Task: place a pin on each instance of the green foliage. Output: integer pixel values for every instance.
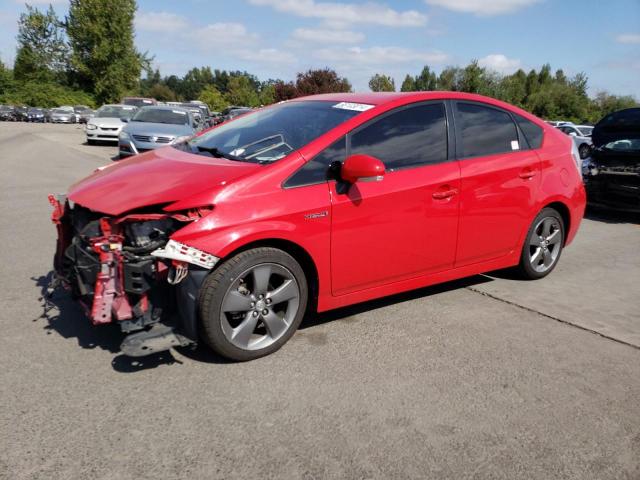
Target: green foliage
(6, 78)
(408, 84)
(382, 83)
(104, 59)
(42, 49)
(241, 92)
(313, 82)
(267, 94)
(161, 92)
(212, 97)
(46, 95)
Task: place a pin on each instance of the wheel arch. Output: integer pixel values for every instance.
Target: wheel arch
(565, 213)
(299, 253)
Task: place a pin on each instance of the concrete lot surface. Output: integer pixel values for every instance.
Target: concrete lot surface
(483, 378)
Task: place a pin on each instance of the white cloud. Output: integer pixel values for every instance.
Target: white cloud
(217, 34)
(500, 63)
(630, 38)
(377, 56)
(270, 56)
(482, 7)
(340, 14)
(327, 36)
(160, 22)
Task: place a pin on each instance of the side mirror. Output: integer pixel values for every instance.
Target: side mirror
(363, 168)
(573, 134)
(124, 119)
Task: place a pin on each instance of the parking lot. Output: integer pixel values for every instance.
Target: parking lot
(489, 377)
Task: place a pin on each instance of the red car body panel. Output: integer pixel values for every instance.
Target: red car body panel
(415, 228)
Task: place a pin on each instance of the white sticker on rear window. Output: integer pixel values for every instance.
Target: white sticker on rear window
(515, 145)
(179, 112)
(358, 107)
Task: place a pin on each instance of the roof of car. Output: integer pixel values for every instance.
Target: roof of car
(380, 98)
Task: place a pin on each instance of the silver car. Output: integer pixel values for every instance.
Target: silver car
(155, 127)
(581, 135)
(107, 122)
(62, 115)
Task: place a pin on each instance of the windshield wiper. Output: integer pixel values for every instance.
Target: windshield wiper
(217, 153)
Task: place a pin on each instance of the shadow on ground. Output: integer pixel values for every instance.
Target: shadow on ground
(65, 317)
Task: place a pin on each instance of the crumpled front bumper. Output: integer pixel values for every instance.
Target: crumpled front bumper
(115, 285)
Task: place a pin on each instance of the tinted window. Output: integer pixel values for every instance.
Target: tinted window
(411, 136)
(485, 130)
(531, 131)
(316, 170)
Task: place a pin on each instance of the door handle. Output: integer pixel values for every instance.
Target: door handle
(527, 174)
(444, 194)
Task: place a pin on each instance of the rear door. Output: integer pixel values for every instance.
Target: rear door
(500, 176)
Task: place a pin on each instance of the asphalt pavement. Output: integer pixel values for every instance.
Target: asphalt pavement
(488, 377)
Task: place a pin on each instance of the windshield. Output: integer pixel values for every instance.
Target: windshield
(138, 102)
(270, 134)
(624, 145)
(161, 115)
(111, 111)
(61, 110)
(585, 131)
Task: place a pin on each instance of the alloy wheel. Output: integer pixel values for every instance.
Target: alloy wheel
(545, 243)
(259, 306)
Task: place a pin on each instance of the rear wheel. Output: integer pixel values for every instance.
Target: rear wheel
(253, 303)
(543, 245)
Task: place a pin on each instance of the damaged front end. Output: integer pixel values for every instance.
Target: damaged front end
(126, 269)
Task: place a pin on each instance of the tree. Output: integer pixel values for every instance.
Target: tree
(326, 80)
(382, 83)
(104, 59)
(284, 91)
(212, 97)
(241, 92)
(449, 79)
(267, 94)
(408, 84)
(6, 79)
(426, 81)
(473, 78)
(42, 50)
(161, 92)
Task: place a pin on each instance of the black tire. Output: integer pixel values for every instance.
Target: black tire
(584, 151)
(91, 142)
(217, 284)
(525, 269)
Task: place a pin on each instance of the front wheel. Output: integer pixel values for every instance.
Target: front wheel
(543, 245)
(253, 303)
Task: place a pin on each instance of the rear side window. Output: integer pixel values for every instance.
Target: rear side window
(531, 131)
(316, 170)
(485, 130)
(409, 137)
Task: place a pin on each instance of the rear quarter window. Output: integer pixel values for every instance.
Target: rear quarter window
(532, 132)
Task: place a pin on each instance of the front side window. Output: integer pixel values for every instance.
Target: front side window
(316, 170)
(485, 130)
(412, 136)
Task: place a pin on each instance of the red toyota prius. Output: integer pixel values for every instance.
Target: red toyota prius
(230, 238)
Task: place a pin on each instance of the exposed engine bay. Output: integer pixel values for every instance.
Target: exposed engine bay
(127, 270)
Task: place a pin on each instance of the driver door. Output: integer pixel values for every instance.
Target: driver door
(404, 226)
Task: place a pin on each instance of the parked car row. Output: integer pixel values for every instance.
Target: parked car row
(581, 135)
(64, 114)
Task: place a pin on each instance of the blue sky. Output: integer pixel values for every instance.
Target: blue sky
(277, 38)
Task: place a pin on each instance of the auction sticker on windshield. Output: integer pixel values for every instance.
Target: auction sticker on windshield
(358, 107)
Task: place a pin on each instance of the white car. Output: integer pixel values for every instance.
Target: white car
(581, 137)
(107, 122)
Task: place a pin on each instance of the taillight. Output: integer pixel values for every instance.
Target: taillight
(576, 157)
